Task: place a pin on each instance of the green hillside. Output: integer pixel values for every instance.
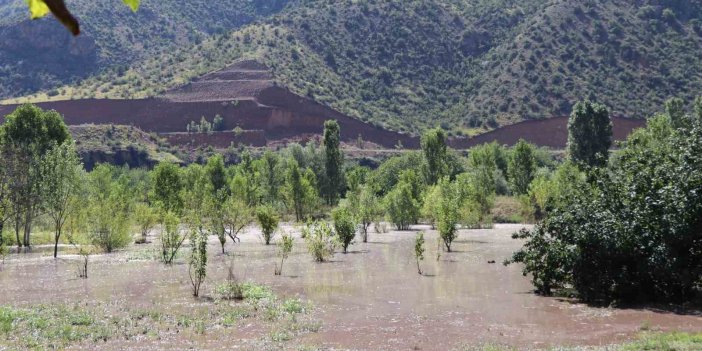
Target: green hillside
(408, 65)
(41, 54)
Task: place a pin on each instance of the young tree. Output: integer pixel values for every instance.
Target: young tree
(299, 189)
(435, 152)
(171, 238)
(345, 226)
(197, 266)
(320, 239)
(477, 193)
(146, 219)
(333, 162)
(109, 209)
(447, 220)
(401, 206)
(369, 210)
(229, 219)
(268, 220)
(26, 136)
(270, 176)
(61, 170)
(589, 134)
(430, 209)
(167, 187)
(522, 166)
(419, 250)
(245, 182)
(285, 248)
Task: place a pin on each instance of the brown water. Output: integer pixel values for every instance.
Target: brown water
(371, 298)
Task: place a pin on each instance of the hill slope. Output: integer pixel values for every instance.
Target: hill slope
(41, 54)
(462, 64)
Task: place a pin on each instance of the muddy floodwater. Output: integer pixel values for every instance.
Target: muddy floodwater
(368, 299)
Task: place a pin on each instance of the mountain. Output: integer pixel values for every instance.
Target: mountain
(41, 54)
(467, 65)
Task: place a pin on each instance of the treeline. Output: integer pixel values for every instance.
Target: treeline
(626, 227)
(42, 176)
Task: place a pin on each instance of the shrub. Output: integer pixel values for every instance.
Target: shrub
(171, 239)
(419, 250)
(285, 248)
(320, 239)
(401, 206)
(268, 220)
(345, 226)
(633, 232)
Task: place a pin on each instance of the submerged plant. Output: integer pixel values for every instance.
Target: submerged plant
(321, 241)
(284, 249)
(419, 250)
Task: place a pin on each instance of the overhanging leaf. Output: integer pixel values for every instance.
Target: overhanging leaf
(37, 8)
(133, 4)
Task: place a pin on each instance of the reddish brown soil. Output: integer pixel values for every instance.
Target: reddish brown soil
(245, 95)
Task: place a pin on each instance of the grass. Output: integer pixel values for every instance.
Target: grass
(675, 341)
(59, 326)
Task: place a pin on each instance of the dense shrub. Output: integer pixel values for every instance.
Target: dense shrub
(635, 232)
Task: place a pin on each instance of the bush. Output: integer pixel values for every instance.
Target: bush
(345, 226)
(268, 220)
(320, 239)
(633, 232)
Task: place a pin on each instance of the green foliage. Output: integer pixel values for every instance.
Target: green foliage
(345, 226)
(401, 206)
(334, 161)
(434, 149)
(369, 209)
(268, 221)
(448, 212)
(171, 237)
(589, 134)
(60, 184)
(384, 179)
(271, 176)
(320, 240)
(110, 206)
(167, 187)
(522, 166)
(419, 250)
(146, 219)
(285, 246)
(197, 266)
(631, 234)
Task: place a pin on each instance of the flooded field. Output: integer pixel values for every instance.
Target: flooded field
(369, 299)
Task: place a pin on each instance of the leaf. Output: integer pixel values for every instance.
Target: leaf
(133, 4)
(37, 8)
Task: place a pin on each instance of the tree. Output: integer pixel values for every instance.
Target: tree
(285, 247)
(430, 208)
(146, 219)
(26, 136)
(333, 163)
(171, 238)
(268, 220)
(299, 189)
(675, 109)
(369, 210)
(589, 134)
(448, 209)
(477, 193)
(197, 266)
(167, 188)
(270, 176)
(522, 166)
(632, 233)
(345, 226)
(320, 239)
(245, 182)
(435, 151)
(217, 175)
(60, 170)
(419, 250)
(109, 209)
(401, 206)
(229, 219)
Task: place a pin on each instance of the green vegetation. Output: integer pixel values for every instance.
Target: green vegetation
(589, 134)
(321, 241)
(268, 221)
(626, 231)
(345, 226)
(64, 325)
(419, 250)
(465, 66)
(285, 247)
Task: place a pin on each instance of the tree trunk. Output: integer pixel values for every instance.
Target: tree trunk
(57, 236)
(17, 231)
